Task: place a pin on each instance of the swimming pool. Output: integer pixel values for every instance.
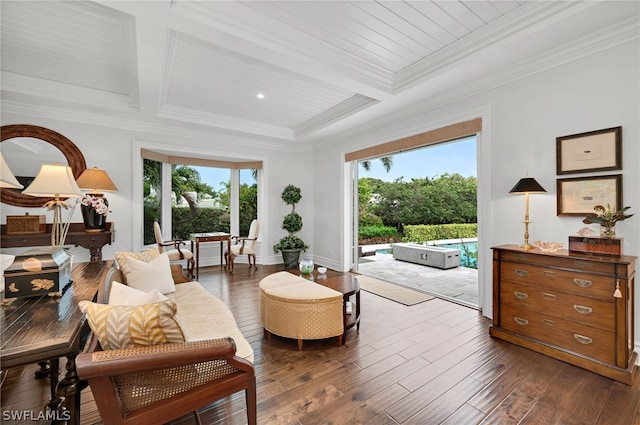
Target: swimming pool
(468, 252)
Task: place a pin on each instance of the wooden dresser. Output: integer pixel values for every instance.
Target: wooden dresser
(565, 305)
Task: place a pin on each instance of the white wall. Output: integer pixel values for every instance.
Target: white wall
(595, 92)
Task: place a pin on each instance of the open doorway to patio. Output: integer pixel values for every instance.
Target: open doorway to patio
(426, 200)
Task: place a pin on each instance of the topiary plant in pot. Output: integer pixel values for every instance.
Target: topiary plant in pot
(290, 246)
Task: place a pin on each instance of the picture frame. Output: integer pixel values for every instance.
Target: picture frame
(578, 195)
(599, 150)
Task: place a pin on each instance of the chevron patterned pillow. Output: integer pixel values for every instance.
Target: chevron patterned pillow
(133, 326)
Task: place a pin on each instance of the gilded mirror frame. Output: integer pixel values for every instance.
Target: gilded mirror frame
(67, 147)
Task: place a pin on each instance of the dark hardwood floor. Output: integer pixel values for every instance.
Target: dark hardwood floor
(430, 363)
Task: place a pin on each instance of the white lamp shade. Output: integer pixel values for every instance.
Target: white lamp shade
(7, 179)
(54, 180)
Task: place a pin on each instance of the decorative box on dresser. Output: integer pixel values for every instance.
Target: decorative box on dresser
(573, 307)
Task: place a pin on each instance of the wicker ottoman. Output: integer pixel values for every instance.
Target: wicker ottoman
(294, 307)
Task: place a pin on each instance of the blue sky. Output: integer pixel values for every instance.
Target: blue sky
(452, 157)
(214, 176)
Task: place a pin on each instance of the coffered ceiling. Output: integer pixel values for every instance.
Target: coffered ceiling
(322, 67)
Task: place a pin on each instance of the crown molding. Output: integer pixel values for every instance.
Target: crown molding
(150, 128)
(225, 122)
(354, 104)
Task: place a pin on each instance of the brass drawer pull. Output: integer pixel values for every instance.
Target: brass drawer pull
(583, 309)
(521, 273)
(548, 322)
(521, 295)
(583, 283)
(583, 339)
(548, 296)
(584, 264)
(521, 321)
(548, 273)
(521, 256)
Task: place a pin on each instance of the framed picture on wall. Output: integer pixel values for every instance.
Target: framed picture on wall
(599, 150)
(578, 196)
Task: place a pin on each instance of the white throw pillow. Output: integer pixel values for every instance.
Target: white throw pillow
(156, 274)
(122, 257)
(125, 295)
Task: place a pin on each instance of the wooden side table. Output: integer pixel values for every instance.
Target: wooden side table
(37, 329)
(199, 238)
(348, 284)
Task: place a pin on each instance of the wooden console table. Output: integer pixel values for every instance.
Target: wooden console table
(38, 329)
(76, 236)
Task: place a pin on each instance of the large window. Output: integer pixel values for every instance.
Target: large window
(198, 195)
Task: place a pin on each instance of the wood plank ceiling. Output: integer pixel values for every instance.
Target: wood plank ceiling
(319, 64)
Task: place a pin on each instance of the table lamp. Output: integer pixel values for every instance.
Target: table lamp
(7, 179)
(527, 185)
(95, 206)
(57, 181)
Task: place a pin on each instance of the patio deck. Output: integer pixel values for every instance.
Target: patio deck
(458, 284)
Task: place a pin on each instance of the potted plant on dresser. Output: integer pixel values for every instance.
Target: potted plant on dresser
(290, 246)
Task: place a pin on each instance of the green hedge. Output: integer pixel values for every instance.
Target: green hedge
(184, 223)
(207, 220)
(424, 233)
(367, 232)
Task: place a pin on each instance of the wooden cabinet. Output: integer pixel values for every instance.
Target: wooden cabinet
(573, 307)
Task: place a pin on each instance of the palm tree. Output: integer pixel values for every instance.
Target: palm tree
(387, 163)
(184, 182)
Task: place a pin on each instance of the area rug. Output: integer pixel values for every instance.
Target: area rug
(391, 291)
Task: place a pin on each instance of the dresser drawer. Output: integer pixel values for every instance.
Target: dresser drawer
(582, 284)
(585, 264)
(587, 311)
(574, 337)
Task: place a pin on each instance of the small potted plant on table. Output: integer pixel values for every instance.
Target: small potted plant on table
(290, 246)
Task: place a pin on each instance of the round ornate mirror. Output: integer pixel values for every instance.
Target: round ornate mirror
(74, 157)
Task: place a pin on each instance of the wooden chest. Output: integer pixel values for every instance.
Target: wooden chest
(37, 272)
(575, 307)
(595, 246)
(26, 224)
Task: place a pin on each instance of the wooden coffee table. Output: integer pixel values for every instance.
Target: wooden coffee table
(348, 284)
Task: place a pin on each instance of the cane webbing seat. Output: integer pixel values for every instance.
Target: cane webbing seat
(137, 385)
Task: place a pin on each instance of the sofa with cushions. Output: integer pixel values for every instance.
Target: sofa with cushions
(161, 349)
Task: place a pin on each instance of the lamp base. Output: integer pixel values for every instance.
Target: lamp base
(526, 246)
(94, 220)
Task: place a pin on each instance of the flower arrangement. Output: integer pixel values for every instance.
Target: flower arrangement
(607, 218)
(98, 203)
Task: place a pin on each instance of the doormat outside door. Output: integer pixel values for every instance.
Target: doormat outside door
(394, 292)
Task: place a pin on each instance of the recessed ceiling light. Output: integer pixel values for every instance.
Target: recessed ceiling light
(260, 96)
